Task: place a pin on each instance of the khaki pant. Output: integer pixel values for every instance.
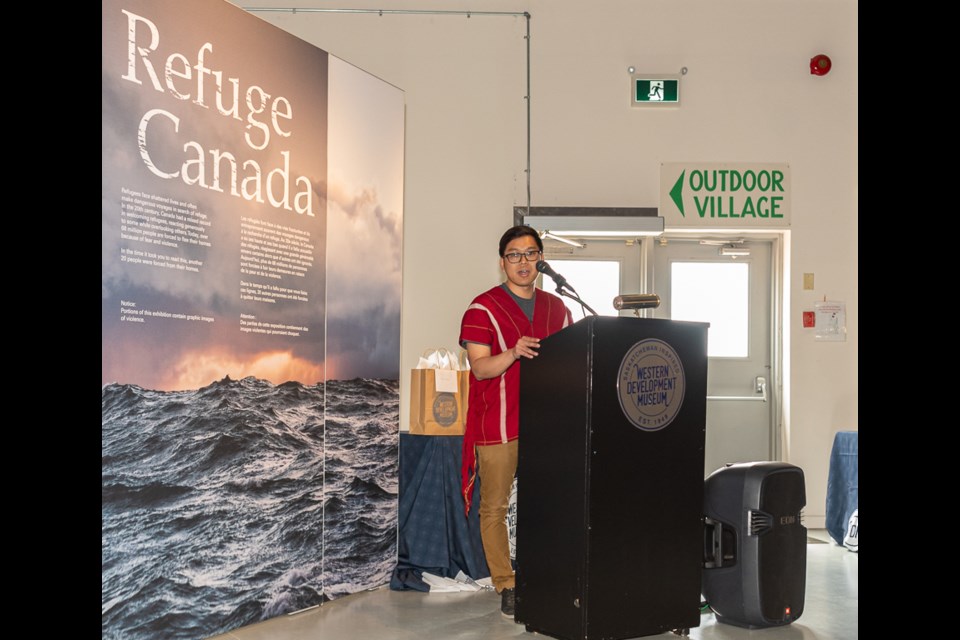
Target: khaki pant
(496, 466)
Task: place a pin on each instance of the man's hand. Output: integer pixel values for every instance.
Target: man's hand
(487, 366)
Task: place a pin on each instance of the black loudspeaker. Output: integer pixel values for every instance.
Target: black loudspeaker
(755, 544)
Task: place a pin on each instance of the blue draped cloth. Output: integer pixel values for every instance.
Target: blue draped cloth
(434, 535)
(843, 483)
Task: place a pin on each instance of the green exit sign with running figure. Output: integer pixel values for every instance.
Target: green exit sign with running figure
(656, 91)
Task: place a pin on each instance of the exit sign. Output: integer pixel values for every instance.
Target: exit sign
(656, 91)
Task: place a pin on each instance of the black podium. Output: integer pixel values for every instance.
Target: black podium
(610, 479)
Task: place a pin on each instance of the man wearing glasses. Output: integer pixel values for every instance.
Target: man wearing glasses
(499, 328)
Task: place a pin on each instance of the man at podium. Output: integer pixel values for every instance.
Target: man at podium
(501, 326)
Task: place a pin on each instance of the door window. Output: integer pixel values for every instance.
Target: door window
(597, 282)
(717, 293)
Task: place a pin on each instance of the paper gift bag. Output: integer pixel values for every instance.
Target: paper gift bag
(438, 394)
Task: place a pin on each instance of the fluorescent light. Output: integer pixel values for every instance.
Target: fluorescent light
(598, 226)
(572, 243)
(734, 251)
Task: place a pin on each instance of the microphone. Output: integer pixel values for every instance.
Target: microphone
(546, 269)
(636, 301)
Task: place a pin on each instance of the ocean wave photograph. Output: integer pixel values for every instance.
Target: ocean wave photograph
(243, 500)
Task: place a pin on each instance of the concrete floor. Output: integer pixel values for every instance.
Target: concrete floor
(831, 612)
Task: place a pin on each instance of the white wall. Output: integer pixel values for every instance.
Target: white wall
(748, 97)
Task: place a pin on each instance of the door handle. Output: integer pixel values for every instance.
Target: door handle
(761, 387)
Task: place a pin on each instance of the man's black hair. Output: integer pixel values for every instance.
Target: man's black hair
(518, 232)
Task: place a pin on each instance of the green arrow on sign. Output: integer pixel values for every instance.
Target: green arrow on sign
(676, 194)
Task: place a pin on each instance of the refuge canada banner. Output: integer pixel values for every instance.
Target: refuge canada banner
(226, 496)
(213, 192)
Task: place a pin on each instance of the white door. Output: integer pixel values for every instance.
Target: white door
(733, 294)
(694, 282)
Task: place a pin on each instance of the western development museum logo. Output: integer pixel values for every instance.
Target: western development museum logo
(651, 384)
(445, 409)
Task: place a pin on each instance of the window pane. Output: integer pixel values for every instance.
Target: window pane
(597, 282)
(714, 292)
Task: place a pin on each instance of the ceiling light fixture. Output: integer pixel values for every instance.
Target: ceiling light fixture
(572, 243)
(598, 226)
(734, 251)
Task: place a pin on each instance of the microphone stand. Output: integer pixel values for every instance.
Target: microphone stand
(573, 296)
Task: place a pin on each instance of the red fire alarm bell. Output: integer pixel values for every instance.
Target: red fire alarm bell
(820, 65)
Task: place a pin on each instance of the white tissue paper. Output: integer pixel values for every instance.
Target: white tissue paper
(447, 364)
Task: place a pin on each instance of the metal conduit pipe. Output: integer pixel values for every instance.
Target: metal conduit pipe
(381, 12)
